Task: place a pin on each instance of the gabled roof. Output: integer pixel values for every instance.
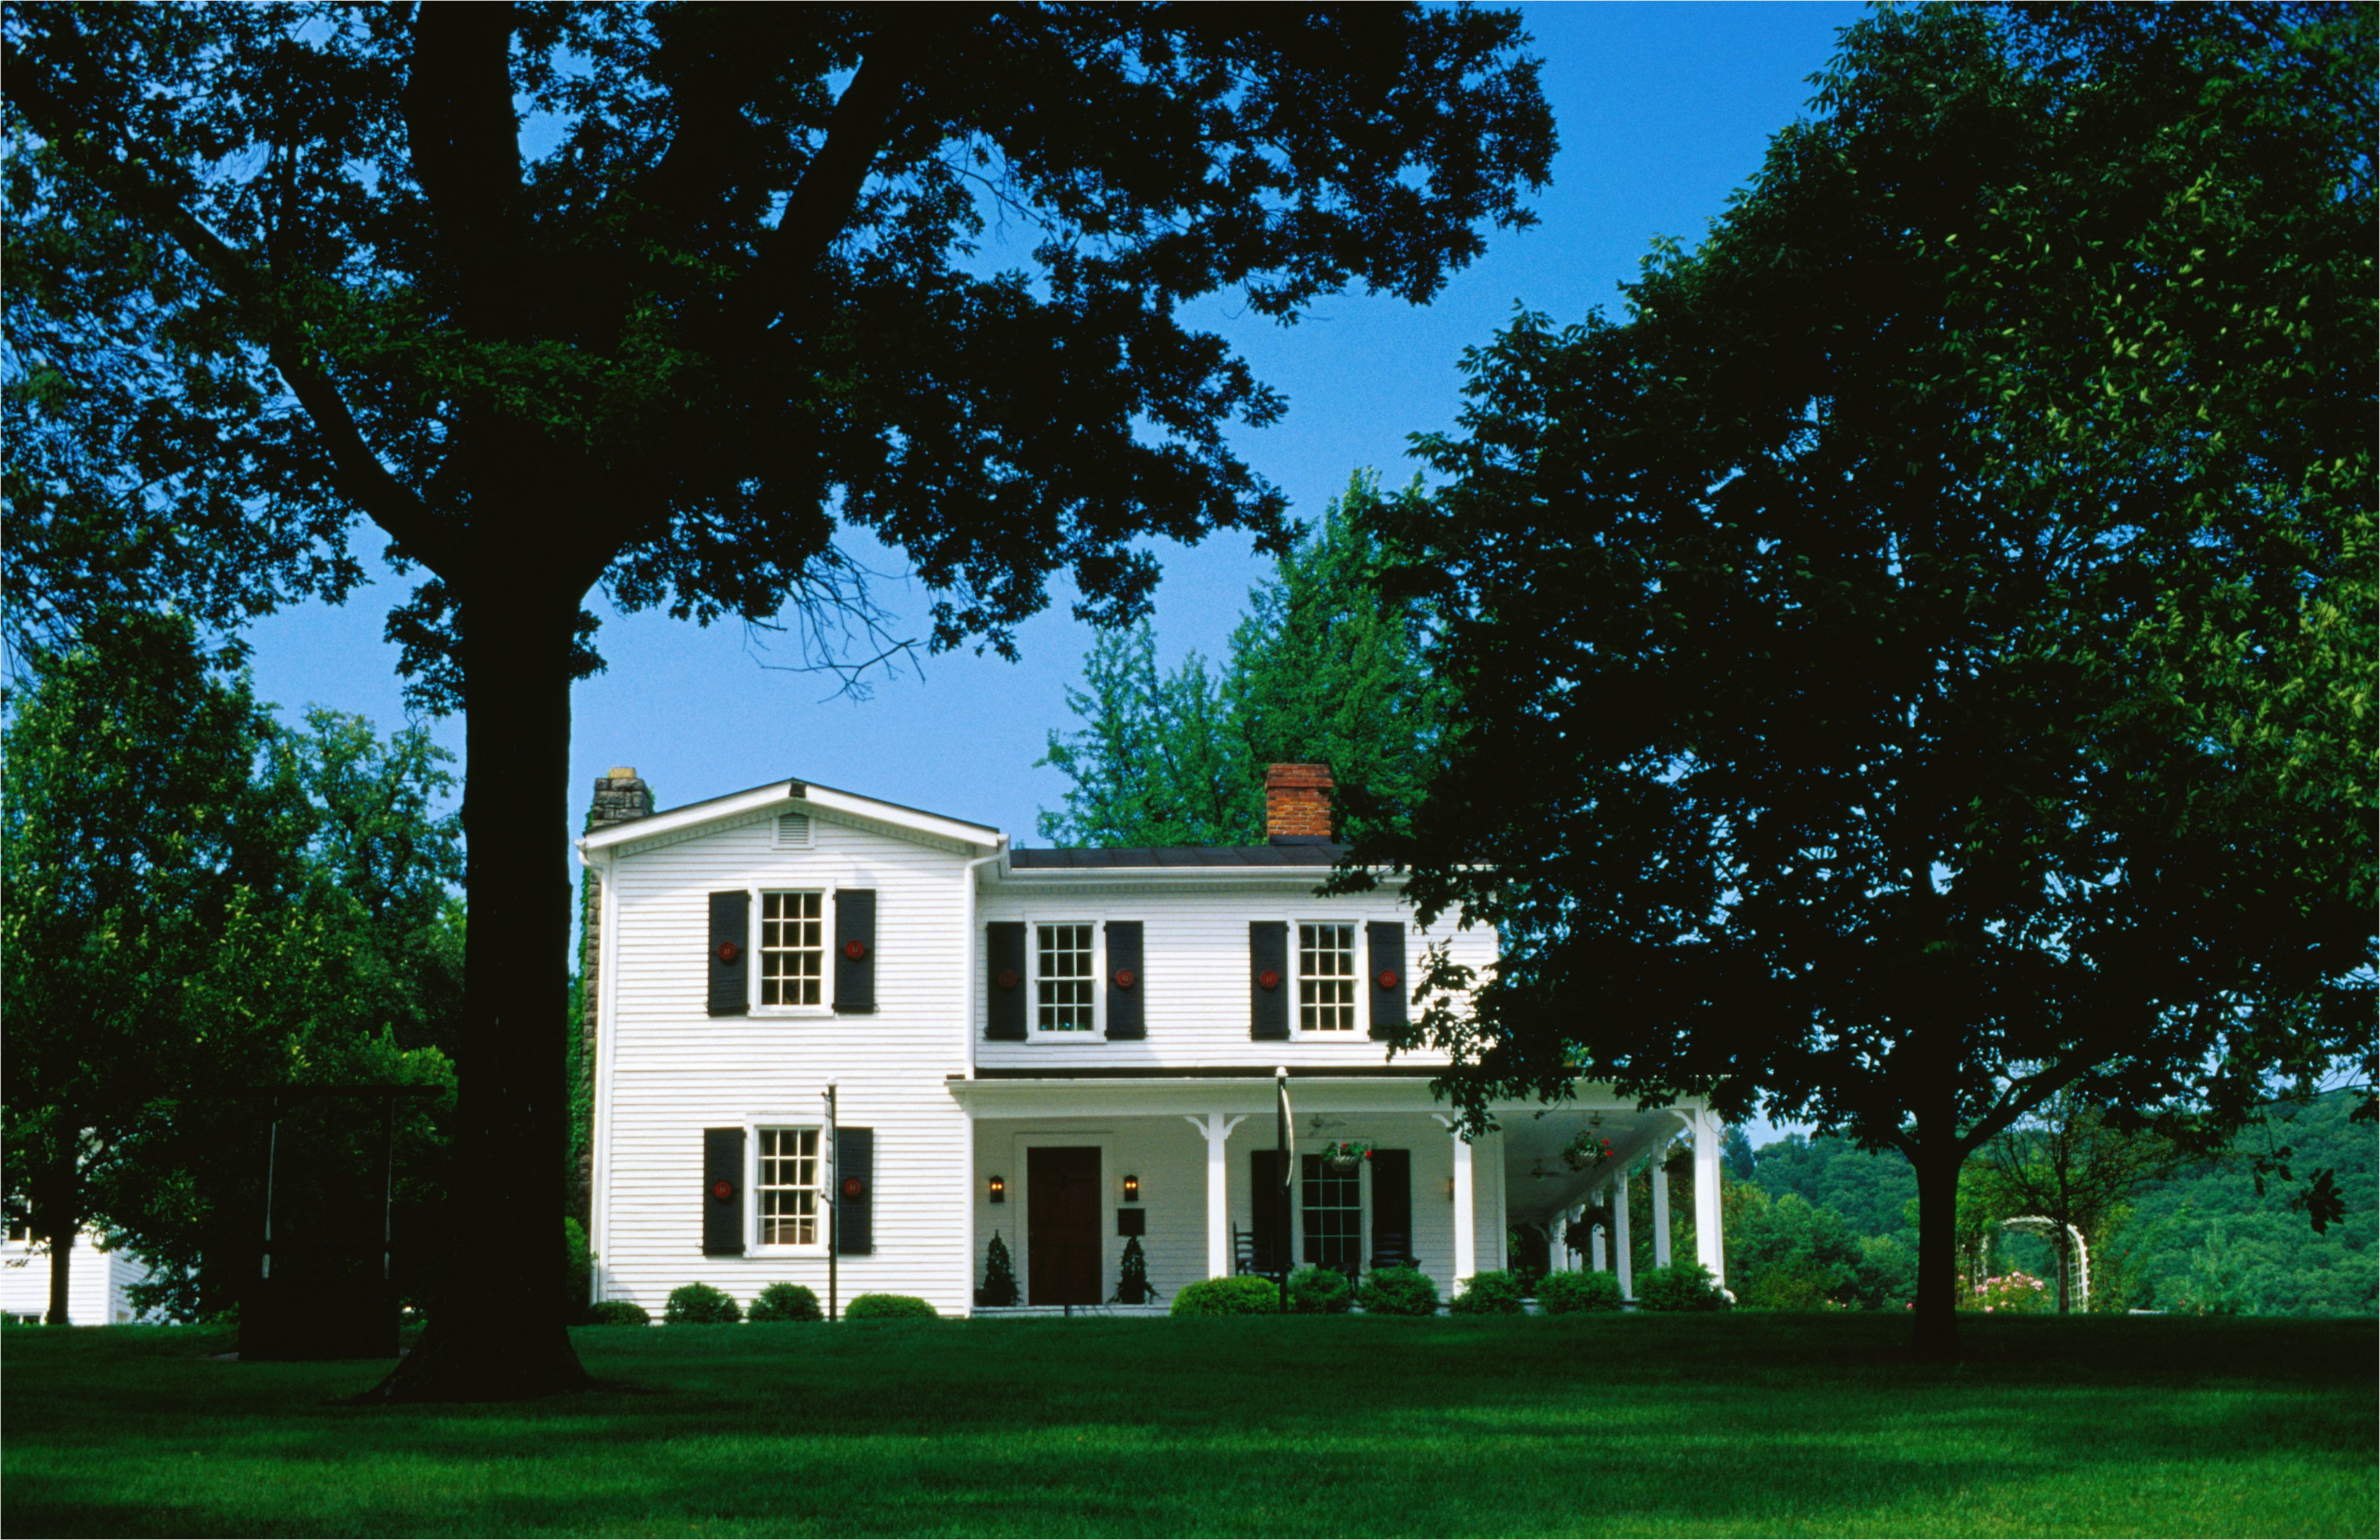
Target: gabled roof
(794, 797)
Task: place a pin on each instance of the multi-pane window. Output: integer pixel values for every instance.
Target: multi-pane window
(1326, 978)
(793, 948)
(788, 1188)
(1331, 1201)
(1063, 977)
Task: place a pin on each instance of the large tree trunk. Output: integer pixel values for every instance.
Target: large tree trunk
(496, 1329)
(56, 1216)
(1937, 1249)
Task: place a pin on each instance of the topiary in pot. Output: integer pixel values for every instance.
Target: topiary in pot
(786, 1302)
(1397, 1291)
(1680, 1286)
(617, 1313)
(1573, 1293)
(1229, 1296)
(998, 1275)
(1131, 1276)
(1320, 1292)
(1494, 1292)
(887, 1307)
(699, 1304)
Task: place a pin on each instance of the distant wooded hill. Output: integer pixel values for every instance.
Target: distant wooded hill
(2203, 1239)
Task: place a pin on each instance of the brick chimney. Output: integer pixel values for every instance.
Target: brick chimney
(620, 797)
(1297, 804)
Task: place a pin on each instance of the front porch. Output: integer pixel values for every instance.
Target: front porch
(1066, 1170)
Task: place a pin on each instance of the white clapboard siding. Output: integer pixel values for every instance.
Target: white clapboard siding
(671, 1070)
(99, 1283)
(1196, 980)
(667, 1069)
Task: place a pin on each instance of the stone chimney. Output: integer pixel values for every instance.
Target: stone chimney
(1297, 804)
(620, 797)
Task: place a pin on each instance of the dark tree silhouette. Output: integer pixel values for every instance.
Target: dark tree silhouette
(1920, 661)
(657, 299)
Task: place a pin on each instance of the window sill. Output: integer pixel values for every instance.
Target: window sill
(793, 1012)
(815, 1250)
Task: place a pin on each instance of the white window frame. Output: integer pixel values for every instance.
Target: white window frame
(1098, 1030)
(1358, 1005)
(825, 1006)
(808, 1123)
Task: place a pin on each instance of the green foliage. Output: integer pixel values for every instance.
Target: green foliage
(785, 1302)
(1228, 1296)
(1320, 1292)
(1324, 668)
(1792, 1255)
(1887, 1278)
(617, 1313)
(1872, 1189)
(1494, 1292)
(699, 1304)
(1679, 1286)
(1919, 655)
(1131, 1276)
(999, 1275)
(1572, 1293)
(1397, 1291)
(887, 1307)
(204, 901)
(577, 1271)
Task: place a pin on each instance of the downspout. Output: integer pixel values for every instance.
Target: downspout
(974, 978)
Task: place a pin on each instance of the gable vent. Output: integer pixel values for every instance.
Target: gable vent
(793, 831)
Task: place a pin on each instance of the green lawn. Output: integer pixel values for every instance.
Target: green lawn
(1635, 1424)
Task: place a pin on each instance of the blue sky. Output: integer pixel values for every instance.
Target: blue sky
(1662, 110)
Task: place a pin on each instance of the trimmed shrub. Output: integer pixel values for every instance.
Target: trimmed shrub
(1228, 1296)
(886, 1308)
(618, 1313)
(1320, 1292)
(1787, 1289)
(1680, 1286)
(1398, 1291)
(699, 1304)
(1495, 1292)
(786, 1302)
(1573, 1293)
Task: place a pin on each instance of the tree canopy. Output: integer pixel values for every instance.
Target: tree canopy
(662, 299)
(203, 901)
(1920, 658)
(1324, 668)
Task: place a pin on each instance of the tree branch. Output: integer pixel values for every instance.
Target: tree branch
(355, 470)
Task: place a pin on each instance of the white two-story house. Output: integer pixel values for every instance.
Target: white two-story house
(821, 1018)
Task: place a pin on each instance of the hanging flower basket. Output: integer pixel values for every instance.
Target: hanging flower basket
(1343, 1153)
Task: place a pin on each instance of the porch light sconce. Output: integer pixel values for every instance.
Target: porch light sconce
(1132, 1189)
(999, 1190)
(1450, 1189)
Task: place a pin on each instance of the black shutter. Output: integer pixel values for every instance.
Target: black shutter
(1125, 984)
(1391, 1205)
(722, 1190)
(855, 930)
(1268, 1208)
(1386, 939)
(855, 1191)
(1003, 984)
(1268, 953)
(731, 935)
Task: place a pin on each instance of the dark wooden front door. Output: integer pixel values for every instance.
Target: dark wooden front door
(1062, 1225)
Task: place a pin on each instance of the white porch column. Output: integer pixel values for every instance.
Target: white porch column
(1558, 1234)
(1217, 1130)
(1466, 1229)
(1661, 1180)
(1595, 1245)
(1709, 1248)
(1623, 1259)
